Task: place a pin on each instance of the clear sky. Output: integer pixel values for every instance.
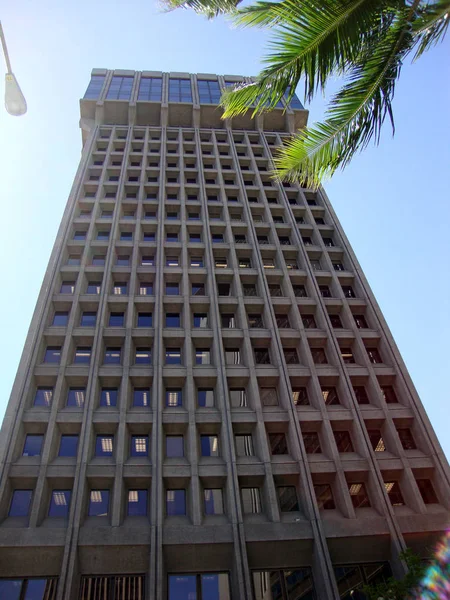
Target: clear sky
(393, 201)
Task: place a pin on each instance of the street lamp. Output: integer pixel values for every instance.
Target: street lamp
(15, 102)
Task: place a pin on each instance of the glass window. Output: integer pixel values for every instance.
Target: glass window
(112, 356)
(202, 356)
(174, 446)
(108, 396)
(137, 503)
(277, 443)
(183, 587)
(251, 501)
(139, 445)
(361, 394)
(10, 589)
(175, 502)
(309, 322)
(208, 92)
(173, 320)
(173, 397)
(98, 503)
(60, 503)
(67, 287)
(389, 394)
(330, 396)
(143, 356)
(150, 89)
(358, 494)
(146, 289)
(287, 497)
(324, 496)
(269, 396)
(300, 396)
(262, 356)
(120, 88)
(20, 503)
(312, 442)
(141, 397)
(60, 318)
(144, 319)
(406, 439)
(33, 445)
(104, 445)
(213, 501)
(205, 397)
(228, 321)
(93, 287)
(172, 289)
(95, 87)
(119, 288)
(180, 90)
(209, 445)
(68, 445)
(173, 356)
(205, 586)
(82, 355)
(198, 289)
(427, 491)
(88, 319)
(394, 493)
(343, 441)
(116, 319)
(238, 397)
(52, 354)
(98, 260)
(76, 396)
(200, 320)
(376, 440)
(319, 356)
(43, 396)
(244, 445)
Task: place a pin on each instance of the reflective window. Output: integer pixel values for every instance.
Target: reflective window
(141, 397)
(244, 445)
(95, 87)
(205, 397)
(238, 397)
(43, 396)
(200, 320)
(209, 445)
(180, 90)
(208, 92)
(60, 318)
(174, 446)
(350, 579)
(205, 586)
(173, 356)
(67, 287)
(251, 501)
(68, 445)
(143, 356)
(33, 445)
(139, 445)
(292, 584)
(108, 396)
(52, 354)
(172, 289)
(202, 356)
(150, 89)
(173, 397)
(116, 319)
(20, 503)
(146, 289)
(300, 396)
(82, 355)
(173, 320)
(358, 494)
(93, 288)
(76, 396)
(112, 356)
(287, 497)
(175, 502)
(137, 503)
(60, 503)
(144, 319)
(278, 444)
(98, 503)
(104, 445)
(120, 88)
(88, 319)
(324, 496)
(213, 501)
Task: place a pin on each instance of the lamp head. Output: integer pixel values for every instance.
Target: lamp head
(15, 102)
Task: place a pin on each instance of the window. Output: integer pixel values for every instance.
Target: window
(175, 502)
(76, 396)
(223, 289)
(336, 321)
(174, 446)
(406, 439)
(20, 503)
(360, 321)
(262, 356)
(209, 445)
(291, 584)
(374, 356)
(244, 445)
(172, 289)
(202, 356)
(207, 586)
(338, 266)
(228, 321)
(52, 354)
(282, 321)
(88, 319)
(287, 498)
(120, 88)
(324, 496)
(143, 356)
(104, 445)
(245, 263)
(112, 356)
(249, 290)
(275, 291)
(291, 356)
(68, 445)
(196, 261)
(149, 236)
(173, 356)
(354, 577)
(36, 589)
(389, 394)
(98, 503)
(269, 396)
(116, 319)
(394, 493)
(94, 287)
(208, 92)
(238, 397)
(60, 319)
(300, 396)
(148, 261)
(194, 237)
(103, 235)
(123, 260)
(95, 87)
(43, 396)
(213, 501)
(232, 356)
(200, 320)
(255, 321)
(427, 492)
(319, 356)
(146, 288)
(343, 441)
(141, 397)
(67, 287)
(309, 322)
(150, 89)
(126, 236)
(139, 445)
(347, 356)
(251, 501)
(205, 397)
(33, 445)
(348, 291)
(268, 263)
(108, 397)
(217, 238)
(98, 260)
(180, 90)
(330, 396)
(328, 241)
(172, 237)
(173, 397)
(312, 442)
(324, 291)
(173, 320)
(278, 444)
(119, 289)
(358, 495)
(300, 291)
(291, 264)
(360, 394)
(198, 289)
(137, 503)
(60, 503)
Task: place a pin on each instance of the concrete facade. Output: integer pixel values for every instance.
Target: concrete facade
(209, 336)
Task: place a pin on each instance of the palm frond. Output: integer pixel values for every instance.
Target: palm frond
(431, 26)
(356, 114)
(208, 8)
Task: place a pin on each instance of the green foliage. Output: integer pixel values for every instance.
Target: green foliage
(394, 589)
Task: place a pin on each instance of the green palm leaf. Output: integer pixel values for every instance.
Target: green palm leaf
(431, 26)
(208, 8)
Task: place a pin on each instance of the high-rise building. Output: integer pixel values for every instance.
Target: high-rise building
(209, 405)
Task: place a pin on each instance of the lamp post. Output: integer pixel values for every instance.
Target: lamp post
(15, 102)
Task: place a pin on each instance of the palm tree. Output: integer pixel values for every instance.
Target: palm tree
(364, 42)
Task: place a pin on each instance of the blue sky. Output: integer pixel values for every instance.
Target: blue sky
(393, 201)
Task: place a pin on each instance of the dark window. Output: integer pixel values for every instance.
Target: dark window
(213, 503)
(389, 394)
(33, 445)
(360, 321)
(148, 236)
(319, 221)
(94, 88)
(244, 445)
(338, 266)
(205, 397)
(141, 397)
(88, 319)
(251, 501)
(287, 497)
(148, 261)
(209, 445)
(144, 319)
(108, 396)
(300, 396)
(319, 356)
(307, 240)
(172, 237)
(217, 238)
(175, 503)
(347, 356)
(324, 291)
(324, 496)
(120, 88)
(348, 291)
(150, 89)
(174, 446)
(312, 442)
(112, 356)
(139, 445)
(196, 261)
(343, 441)
(68, 445)
(123, 260)
(67, 287)
(228, 321)
(180, 90)
(328, 241)
(103, 235)
(238, 397)
(43, 396)
(300, 291)
(208, 586)
(262, 356)
(394, 492)
(374, 356)
(173, 320)
(255, 321)
(282, 322)
(336, 321)
(198, 289)
(223, 289)
(143, 356)
(427, 491)
(60, 318)
(358, 494)
(52, 354)
(277, 443)
(116, 319)
(173, 397)
(137, 503)
(330, 396)
(361, 394)
(20, 503)
(406, 439)
(200, 320)
(269, 396)
(249, 290)
(104, 445)
(309, 322)
(126, 236)
(291, 356)
(275, 291)
(59, 503)
(376, 440)
(98, 260)
(76, 397)
(98, 503)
